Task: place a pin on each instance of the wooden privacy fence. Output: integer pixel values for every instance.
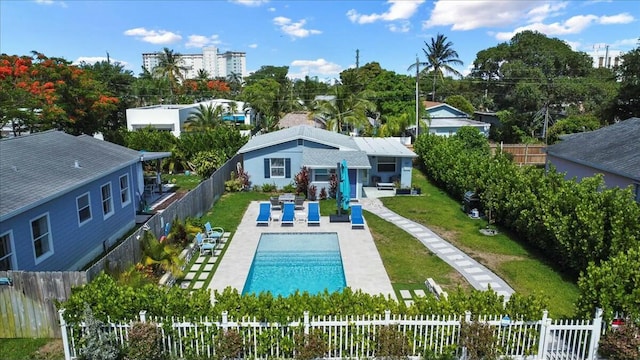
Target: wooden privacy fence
(358, 336)
(27, 307)
(523, 154)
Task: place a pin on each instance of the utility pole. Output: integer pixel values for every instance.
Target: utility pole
(357, 58)
(417, 97)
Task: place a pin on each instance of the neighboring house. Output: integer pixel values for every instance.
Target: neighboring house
(173, 117)
(64, 199)
(276, 158)
(445, 120)
(300, 118)
(487, 117)
(613, 151)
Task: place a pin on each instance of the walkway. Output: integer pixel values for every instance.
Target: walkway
(476, 274)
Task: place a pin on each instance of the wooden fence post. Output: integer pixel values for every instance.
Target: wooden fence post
(65, 338)
(596, 331)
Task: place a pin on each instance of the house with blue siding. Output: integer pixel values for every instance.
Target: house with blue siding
(276, 157)
(65, 199)
(446, 120)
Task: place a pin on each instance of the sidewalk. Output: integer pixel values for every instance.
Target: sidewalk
(476, 274)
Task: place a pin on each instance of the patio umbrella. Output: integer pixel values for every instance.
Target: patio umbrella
(345, 188)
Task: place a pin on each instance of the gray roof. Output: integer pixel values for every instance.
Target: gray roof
(327, 158)
(38, 167)
(614, 148)
(383, 147)
(304, 132)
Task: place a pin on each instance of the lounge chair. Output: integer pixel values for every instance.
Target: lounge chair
(213, 232)
(357, 221)
(275, 203)
(288, 213)
(299, 202)
(265, 214)
(205, 244)
(313, 213)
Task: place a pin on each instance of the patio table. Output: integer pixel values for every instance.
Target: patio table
(288, 197)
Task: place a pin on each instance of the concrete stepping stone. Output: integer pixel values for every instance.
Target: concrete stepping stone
(406, 294)
(473, 270)
(208, 267)
(203, 276)
(185, 284)
(198, 285)
(419, 293)
(455, 257)
(408, 302)
(401, 222)
(446, 250)
(201, 259)
(413, 229)
(484, 277)
(190, 276)
(217, 252)
(464, 263)
(213, 259)
(494, 285)
(195, 267)
(439, 245)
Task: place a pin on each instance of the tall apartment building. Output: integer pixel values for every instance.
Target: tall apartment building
(604, 57)
(216, 64)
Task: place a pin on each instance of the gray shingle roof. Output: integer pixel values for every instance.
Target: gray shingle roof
(299, 132)
(327, 158)
(614, 148)
(38, 167)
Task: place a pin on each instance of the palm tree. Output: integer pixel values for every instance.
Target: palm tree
(170, 67)
(204, 118)
(440, 56)
(346, 112)
(235, 82)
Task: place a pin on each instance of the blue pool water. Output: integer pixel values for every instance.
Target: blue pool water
(286, 262)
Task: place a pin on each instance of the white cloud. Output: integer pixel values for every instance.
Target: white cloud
(249, 2)
(539, 13)
(94, 59)
(154, 36)
(575, 45)
(573, 25)
(623, 18)
(253, 46)
(271, 9)
(314, 68)
(400, 27)
(398, 10)
(200, 41)
(470, 14)
(294, 29)
(51, 2)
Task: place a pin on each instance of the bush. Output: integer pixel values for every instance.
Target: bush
(145, 342)
(95, 345)
(323, 194)
(311, 346)
(391, 344)
(479, 341)
(313, 191)
(302, 181)
(622, 343)
(228, 345)
(269, 188)
(289, 188)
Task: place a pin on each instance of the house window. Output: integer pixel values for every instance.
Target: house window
(107, 200)
(41, 237)
(125, 197)
(7, 260)
(323, 174)
(277, 167)
(386, 164)
(83, 203)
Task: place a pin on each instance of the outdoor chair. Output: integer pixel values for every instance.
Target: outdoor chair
(299, 202)
(288, 213)
(313, 213)
(357, 220)
(213, 232)
(205, 244)
(275, 203)
(265, 214)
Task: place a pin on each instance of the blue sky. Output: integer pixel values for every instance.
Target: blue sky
(316, 38)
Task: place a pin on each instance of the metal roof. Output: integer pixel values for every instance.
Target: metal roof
(39, 167)
(383, 147)
(327, 158)
(304, 132)
(614, 148)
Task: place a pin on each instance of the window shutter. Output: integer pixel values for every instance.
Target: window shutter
(287, 168)
(267, 170)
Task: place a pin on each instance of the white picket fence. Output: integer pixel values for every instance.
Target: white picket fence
(355, 337)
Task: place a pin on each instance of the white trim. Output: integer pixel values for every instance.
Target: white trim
(44, 256)
(12, 258)
(80, 222)
(105, 216)
(284, 168)
(128, 190)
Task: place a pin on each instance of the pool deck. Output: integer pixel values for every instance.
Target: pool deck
(363, 268)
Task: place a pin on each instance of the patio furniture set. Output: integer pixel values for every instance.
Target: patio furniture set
(289, 216)
(208, 240)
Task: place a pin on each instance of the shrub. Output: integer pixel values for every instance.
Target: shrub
(96, 345)
(228, 345)
(478, 340)
(323, 194)
(391, 344)
(269, 188)
(145, 342)
(311, 346)
(622, 343)
(53, 350)
(313, 191)
(289, 188)
(302, 180)
(333, 186)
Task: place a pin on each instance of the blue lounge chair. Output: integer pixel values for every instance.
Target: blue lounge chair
(265, 214)
(313, 213)
(357, 221)
(288, 213)
(205, 244)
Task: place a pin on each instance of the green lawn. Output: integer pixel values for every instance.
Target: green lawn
(181, 181)
(520, 266)
(21, 349)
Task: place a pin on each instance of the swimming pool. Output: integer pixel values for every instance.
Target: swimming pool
(286, 262)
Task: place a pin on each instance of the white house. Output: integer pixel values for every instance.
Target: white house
(173, 117)
(445, 120)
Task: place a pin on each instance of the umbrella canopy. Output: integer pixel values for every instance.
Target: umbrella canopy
(345, 188)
